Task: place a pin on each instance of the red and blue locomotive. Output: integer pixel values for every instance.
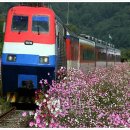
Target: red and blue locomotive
(37, 44)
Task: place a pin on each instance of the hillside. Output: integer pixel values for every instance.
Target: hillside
(96, 19)
(100, 20)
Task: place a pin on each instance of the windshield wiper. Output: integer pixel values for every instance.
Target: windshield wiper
(38, 30)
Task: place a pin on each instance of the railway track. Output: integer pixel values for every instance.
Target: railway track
(13, 119)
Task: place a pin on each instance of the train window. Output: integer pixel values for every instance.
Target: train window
(88, 55)
(40, 24)
(19, 23)
(101, 56)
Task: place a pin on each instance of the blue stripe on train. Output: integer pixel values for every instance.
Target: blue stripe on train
(28, 60)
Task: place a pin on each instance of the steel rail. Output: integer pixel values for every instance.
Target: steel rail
(7, 113)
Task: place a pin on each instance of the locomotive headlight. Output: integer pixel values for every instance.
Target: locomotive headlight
(11, 58)
(44, 60)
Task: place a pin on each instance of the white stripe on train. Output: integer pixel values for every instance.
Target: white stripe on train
(35, 49)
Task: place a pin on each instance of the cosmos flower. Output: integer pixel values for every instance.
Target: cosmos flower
(31, 124)
(24, 114)
(98, 98)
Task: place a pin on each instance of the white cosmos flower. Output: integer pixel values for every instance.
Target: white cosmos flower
(128, 120)
(55, 103)
(35, 115)
(31, 113)
(37, 103)
(46, 95)
(52, 111)
(56, 109)
(76, 121)
(49, 107)
(35, 125)
(44, 100)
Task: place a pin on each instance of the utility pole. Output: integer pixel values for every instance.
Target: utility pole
(95, 52)
(68, 15)
(106, 53)
(114, 54)
(109, 40)
(79, 56)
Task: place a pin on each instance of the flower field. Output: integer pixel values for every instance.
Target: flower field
(100, 98)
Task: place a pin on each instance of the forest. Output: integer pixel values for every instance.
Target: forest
(96, 19)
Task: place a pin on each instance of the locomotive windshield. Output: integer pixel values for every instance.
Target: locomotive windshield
(19, 23)
(40, 24)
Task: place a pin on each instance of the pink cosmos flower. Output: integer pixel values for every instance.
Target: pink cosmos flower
(38, 120)
(31, 124)
(128, 94)
(40, 125)
(24, 114)
(100, 115)
(40, 82)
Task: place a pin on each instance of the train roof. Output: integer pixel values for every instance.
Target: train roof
(99, 43)
(83, 40)
(31, 10)
(86, 41)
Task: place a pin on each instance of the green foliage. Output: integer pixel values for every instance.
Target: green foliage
(73, 28)
(125, 53)
(2, 101)
(1, 46)
(4, 105)
(1, 26)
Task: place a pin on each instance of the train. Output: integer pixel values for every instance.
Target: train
(37, 43)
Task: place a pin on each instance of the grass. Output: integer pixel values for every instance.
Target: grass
(4, 105)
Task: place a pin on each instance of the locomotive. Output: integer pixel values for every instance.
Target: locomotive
(37, 43)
